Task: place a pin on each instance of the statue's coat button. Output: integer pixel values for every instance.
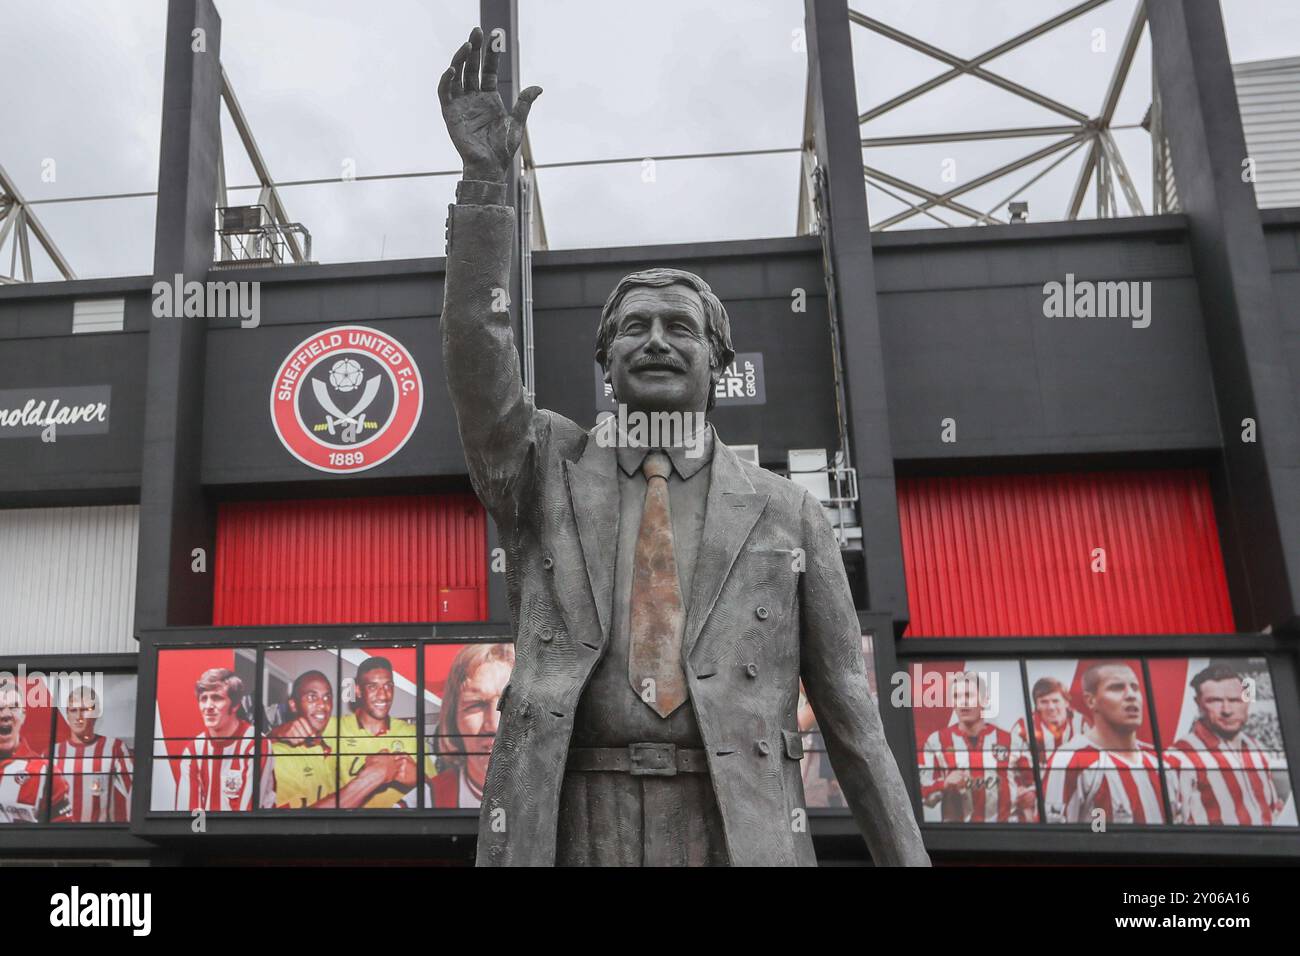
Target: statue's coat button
(761, 612)
(751, 669)
(547, 563)
(763, 747)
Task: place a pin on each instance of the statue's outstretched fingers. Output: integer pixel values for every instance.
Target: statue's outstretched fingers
(490, 57)
(458, 67)
(473, 60)
(519, 116)
(444, 87)
(525, 103)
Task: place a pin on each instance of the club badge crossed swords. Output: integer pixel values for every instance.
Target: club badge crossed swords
(356, 417)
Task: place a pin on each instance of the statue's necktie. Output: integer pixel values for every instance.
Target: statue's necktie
(658, 615)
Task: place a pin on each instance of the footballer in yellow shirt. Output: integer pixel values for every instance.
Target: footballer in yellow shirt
(376, 747)
(306, 774)
(378, 770)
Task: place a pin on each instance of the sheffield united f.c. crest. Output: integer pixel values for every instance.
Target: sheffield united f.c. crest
(346, 399)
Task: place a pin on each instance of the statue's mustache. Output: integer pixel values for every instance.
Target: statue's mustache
(658, 361)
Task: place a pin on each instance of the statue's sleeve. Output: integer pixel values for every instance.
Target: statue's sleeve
(500, 427)
(835, 677)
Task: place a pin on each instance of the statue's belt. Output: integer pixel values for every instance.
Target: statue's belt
(649, 760)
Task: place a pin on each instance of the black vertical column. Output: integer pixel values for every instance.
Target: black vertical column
(1261, 479)
(175, 517)
(839, 154)
(504, 15)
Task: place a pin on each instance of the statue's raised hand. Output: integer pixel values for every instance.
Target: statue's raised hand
(485, 135)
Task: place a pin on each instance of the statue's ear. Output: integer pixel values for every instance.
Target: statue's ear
(608, 376)
(715, 371)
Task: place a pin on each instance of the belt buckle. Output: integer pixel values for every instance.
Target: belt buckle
(653, 760)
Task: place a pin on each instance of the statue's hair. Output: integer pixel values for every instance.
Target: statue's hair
(717, 327)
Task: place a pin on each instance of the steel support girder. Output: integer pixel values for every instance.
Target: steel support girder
(972, 66)
(270, 193)
(922, 139)
(909, 203)
(933, 198)
(808, 161)
(538, 220)
(1120, 172)
(11, 214)
(988, 178)
(1035, 178)
(1110, 103)
(30, 221)
(1125, 63)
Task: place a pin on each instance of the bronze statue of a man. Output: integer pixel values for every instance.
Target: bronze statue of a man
(667, 597)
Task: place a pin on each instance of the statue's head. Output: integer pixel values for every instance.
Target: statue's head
(664, 340)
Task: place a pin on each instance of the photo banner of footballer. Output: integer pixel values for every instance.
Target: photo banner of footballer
(339, 726)
(378, 743)
(463, 686)
(1096, 744)
(972, 755)
(29, 792)
(204, 744)
(94, 743)
(301, 704)
(1224, 762)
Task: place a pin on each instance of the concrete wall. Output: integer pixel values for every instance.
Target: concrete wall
(1282, 236)
(965, 338)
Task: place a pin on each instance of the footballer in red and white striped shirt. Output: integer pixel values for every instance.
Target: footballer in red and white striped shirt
(97, 768)
(216, 771)
(1218, 774)
(1107, 768)
(1055, 721)
(974, 769)
(27, 785)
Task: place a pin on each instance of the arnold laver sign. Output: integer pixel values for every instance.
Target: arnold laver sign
(346, 399)
(74, 410)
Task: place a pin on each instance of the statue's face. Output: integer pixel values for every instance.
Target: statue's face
(659, 360)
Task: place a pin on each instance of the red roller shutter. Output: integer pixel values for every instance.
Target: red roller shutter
(1008, 555)
(354, 560)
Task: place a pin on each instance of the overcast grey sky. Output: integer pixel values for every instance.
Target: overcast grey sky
(326, 81)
